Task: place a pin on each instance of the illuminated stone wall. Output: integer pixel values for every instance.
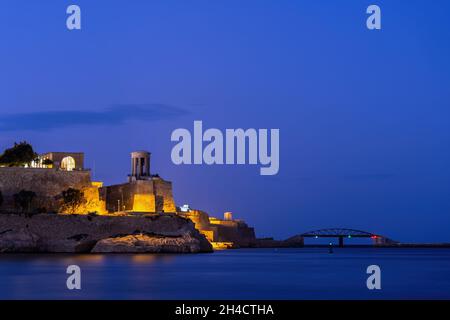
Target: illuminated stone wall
(200, 218)
(236, 232)
(133, 196)
(239, 233)
(143, 202)
(92, 203)
(164, 196)
(153, 195)
(46, 183)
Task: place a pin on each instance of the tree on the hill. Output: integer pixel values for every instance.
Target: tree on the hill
(72, 200)
(24, 199)
(18, 156)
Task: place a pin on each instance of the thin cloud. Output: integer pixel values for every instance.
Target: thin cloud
(370, 176)
(115, 115)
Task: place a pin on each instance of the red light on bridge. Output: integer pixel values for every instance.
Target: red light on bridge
(374, 237)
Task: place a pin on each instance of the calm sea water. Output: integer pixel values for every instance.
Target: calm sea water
(306, 273)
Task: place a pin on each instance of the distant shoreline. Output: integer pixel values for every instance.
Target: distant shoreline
(393, 246)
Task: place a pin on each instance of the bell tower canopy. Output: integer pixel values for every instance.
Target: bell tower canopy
(140, 166)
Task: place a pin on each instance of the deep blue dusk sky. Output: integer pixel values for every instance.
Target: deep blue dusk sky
(364, 116)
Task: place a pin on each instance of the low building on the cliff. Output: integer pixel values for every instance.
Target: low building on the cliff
(66, 161)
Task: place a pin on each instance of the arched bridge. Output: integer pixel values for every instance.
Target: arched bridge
(342, 233)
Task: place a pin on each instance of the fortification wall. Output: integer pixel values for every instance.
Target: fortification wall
(164, 196)
(93, 203)
(240, 234)
(217, 230)
(46, 183)
(134, 196)
(200, 218)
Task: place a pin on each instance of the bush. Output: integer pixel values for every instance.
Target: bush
(72, 199)
(19, 155)
(24, 199)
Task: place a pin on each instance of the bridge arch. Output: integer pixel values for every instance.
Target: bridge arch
(342, 233)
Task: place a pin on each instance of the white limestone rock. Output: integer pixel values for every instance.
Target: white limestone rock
(143, 243)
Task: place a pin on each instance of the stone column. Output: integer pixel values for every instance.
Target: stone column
(139, 172)
(147, 166)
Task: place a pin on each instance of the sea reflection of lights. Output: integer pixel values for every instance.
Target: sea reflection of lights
(149, 258)
(89, 258)
(143, 258)
(65, 259)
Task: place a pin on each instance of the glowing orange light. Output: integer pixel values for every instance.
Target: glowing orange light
(143, 203)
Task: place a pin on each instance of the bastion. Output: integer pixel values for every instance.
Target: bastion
(226, 233)
(47, 183)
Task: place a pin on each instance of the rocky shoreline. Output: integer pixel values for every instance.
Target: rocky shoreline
(58, 233)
